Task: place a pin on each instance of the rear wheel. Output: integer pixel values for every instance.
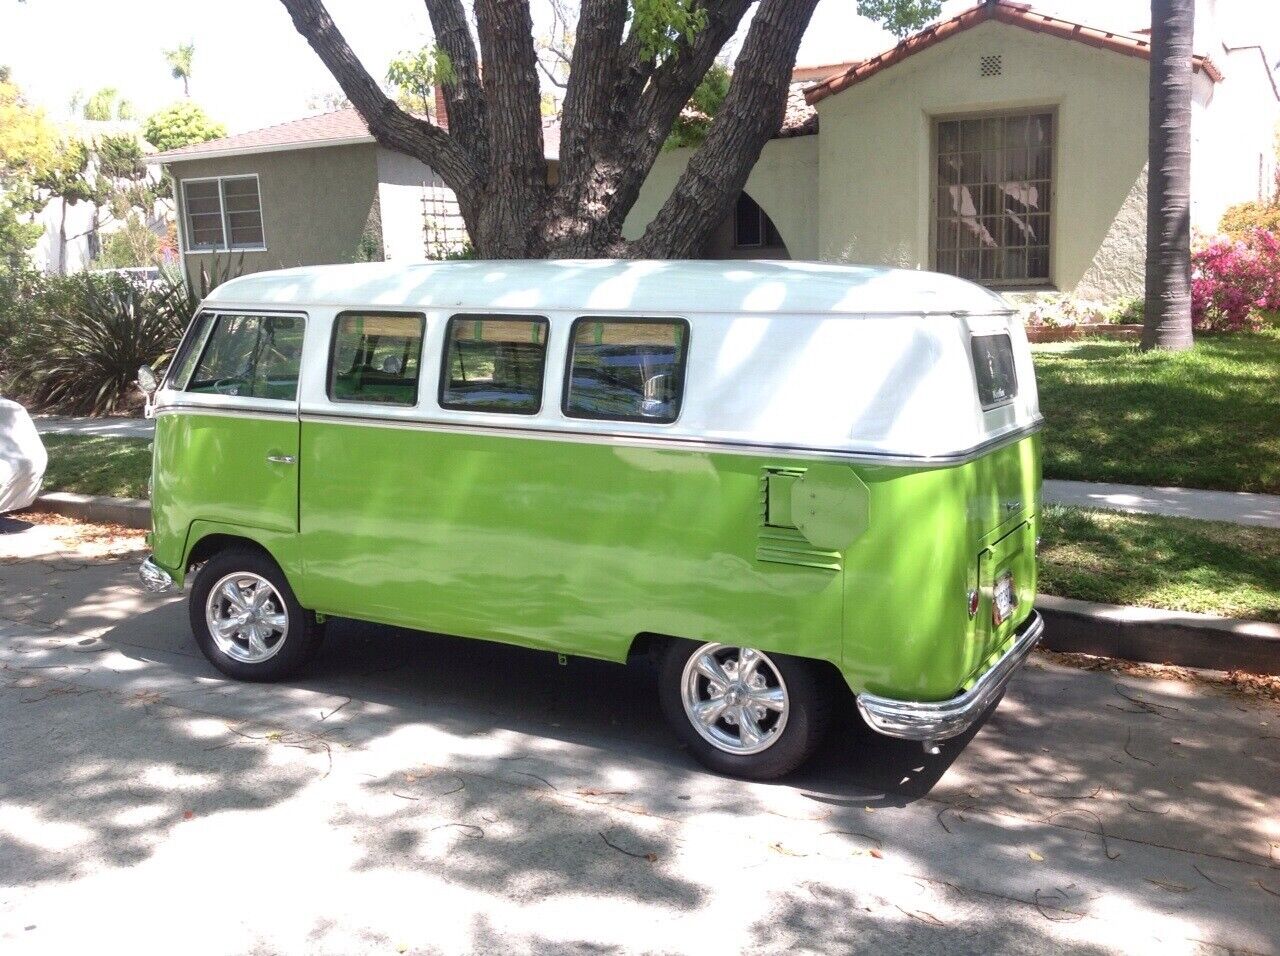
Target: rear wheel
(246, 619)
(743, 712)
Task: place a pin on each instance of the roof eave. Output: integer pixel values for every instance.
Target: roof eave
(1012, 14)
(176, 156)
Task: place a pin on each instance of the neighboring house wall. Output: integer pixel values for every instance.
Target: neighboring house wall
(784, 182)
(420, 218)
(876, 173)
(315, 204)
(1233, 133)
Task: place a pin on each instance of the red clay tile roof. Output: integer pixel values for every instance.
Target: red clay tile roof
(1003, 11)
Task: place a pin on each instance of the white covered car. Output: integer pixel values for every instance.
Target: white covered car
(22, 458)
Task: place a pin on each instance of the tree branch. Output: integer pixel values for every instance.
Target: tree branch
(390, 125)
(750, 115)
(585, 115)
(464, 98)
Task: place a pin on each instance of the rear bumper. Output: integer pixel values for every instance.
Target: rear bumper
(938, 720)
(155, 578)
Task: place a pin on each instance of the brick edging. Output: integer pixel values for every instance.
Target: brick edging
(1154, 636)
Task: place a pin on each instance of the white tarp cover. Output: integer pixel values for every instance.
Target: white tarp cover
(22, 457)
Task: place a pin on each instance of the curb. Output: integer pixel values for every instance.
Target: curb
(130, 512)
(1152, 636)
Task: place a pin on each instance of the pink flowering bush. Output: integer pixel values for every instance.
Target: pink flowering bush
(1233, 279)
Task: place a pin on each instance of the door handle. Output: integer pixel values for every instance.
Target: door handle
(281, 459)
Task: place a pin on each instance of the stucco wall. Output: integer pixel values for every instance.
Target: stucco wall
(315, 203)
(876, 144)
(784, 183)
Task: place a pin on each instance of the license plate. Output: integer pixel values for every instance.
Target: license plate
(1006, 598)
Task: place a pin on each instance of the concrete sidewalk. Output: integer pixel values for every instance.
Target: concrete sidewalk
(109, 427)
(421, 794)
(1235, 507)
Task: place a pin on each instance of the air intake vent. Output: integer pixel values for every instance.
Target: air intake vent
(991, 65)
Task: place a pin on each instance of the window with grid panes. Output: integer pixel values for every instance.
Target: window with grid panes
(992, 209)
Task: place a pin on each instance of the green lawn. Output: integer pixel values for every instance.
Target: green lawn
(91, 465)
(1175, 563)
(1208, 418)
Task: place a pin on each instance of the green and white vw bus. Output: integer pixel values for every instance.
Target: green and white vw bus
(776, 477)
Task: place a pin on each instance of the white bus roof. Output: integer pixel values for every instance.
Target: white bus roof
(676, 287)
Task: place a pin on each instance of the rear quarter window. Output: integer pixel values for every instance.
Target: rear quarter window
(994, 369)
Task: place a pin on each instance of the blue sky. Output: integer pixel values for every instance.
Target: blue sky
(253, 69)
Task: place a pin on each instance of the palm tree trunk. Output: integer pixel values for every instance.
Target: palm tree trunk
(1167, 319)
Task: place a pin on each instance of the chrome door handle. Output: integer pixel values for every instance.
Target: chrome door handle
(280, 459)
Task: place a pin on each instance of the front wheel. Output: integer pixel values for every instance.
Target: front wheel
(247, 621)
(743, 712)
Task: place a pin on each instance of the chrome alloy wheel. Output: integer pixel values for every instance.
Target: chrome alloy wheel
(735, 698)
(247, 618)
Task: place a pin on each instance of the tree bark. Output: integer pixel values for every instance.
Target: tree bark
(1167, 315)
(619, 108)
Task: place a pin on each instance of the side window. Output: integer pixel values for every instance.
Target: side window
(254, 356)
(994, 369)
(494, 364)
(376, 358)
(626, 370)
(189, 351)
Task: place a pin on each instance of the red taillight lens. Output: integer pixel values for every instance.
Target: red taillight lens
(973, 603)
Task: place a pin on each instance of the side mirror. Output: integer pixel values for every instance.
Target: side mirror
(148, 382)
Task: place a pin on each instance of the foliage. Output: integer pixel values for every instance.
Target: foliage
(1243, 218)
(660, 25)
(180, 125)
(74, 344)
(328, 102)
(81, 353)
(95, 465)
(134, 244)
(1180, 564)
(28, 153)
(415, 75)
(1205, 418)
(1058, 309)
(900, 17)
(179, 60)
(690, 129)
(1233, 280)
(107, 104)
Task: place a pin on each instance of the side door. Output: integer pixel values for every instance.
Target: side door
(227, 426)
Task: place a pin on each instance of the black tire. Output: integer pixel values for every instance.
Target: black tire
(300, 642)
(809, 711)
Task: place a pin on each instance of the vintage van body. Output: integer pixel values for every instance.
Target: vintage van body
(773, 475)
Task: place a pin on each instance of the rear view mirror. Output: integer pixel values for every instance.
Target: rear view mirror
(147, 381)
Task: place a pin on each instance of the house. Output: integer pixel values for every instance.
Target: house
(1004, 145)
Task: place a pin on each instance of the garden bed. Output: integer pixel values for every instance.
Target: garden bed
(1085, 330)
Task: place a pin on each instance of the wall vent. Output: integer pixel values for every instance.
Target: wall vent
(991, 65)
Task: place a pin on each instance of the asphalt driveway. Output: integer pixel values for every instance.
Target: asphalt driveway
(424, 794)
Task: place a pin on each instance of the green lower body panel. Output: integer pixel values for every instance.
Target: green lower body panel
(580, 547)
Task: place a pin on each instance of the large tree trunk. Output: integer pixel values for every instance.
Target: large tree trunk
(621, 101)
(1167, 319)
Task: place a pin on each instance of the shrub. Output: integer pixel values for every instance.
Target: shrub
(1057, 309)
(1240, 220)
(80, 352)
(1233, 280)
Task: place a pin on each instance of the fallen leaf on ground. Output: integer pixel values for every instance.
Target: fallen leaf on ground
(1035, 856)
(876, 853)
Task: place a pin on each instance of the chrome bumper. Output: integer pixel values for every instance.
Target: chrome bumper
(154, 578)
(938, 720)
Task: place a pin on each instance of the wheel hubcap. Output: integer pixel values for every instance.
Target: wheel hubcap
(735, 698)
(247, 618)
